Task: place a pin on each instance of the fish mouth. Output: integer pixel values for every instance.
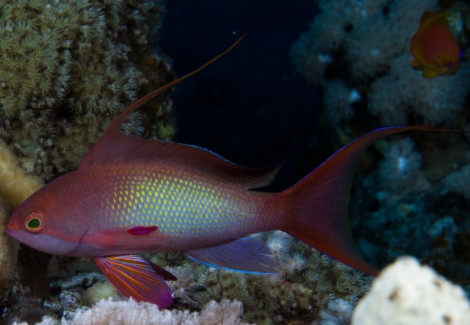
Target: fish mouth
(43, 242)
(13, 229)
(11, 232)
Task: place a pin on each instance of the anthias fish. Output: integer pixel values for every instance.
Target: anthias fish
(131, 196)
(434, 48)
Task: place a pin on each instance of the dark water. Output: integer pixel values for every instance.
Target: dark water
(250, 107)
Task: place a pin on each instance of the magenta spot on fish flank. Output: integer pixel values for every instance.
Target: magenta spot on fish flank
(139, 230)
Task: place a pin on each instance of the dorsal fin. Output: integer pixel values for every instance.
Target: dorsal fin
(425, 16)
(116, 147)
(436, 19)
(113, 128)
(140, 153)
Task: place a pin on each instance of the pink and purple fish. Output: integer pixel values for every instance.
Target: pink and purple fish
(131, 196)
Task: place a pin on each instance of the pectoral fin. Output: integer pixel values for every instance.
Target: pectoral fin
(136, 277)
(250, 255)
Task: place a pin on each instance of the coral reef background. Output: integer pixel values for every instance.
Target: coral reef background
(410, 188)
(67, 69)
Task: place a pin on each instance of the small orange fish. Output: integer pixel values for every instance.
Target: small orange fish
(435, 50)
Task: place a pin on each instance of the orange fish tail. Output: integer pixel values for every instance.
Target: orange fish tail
(318, 213)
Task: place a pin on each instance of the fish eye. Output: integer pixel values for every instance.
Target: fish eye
(35, 222)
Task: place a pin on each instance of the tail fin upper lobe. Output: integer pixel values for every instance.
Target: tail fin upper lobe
(318, 213)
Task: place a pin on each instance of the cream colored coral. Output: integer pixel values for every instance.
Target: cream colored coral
(15, 184)
(408, 293)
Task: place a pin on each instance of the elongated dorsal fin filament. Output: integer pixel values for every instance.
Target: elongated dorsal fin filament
(116, 124)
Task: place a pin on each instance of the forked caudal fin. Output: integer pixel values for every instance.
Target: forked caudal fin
(319, 201)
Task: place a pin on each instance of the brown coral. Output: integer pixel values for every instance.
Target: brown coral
(8, 249)
(67, 69)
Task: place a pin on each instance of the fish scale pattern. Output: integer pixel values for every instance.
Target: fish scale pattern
(180, 205)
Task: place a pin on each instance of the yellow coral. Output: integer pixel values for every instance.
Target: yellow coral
(100, 291)
(16, 184)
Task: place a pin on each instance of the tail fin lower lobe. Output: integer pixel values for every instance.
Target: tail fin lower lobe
(318, 203)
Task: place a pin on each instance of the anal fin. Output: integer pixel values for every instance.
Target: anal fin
(248, 254)
(136, 277)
